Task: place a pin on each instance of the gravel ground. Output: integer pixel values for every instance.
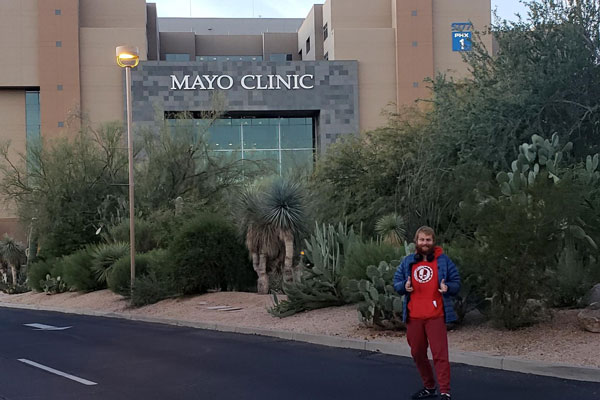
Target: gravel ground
(559, 340)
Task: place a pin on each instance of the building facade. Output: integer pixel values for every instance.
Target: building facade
(288, 87)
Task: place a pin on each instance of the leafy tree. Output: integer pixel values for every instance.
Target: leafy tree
(65, 186)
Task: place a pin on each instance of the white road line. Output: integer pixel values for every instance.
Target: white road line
(42, 327)
(57, 372)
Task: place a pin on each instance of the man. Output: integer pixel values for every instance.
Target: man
(427, 279)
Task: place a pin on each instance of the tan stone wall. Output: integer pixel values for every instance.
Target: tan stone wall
(58, 66)
(445, 12)
(376, 70)
(12, 115)
(112, 13)
(361, 14)
(328, 44)
(233, 45)
(414, 49)
(312, 28)
(18, 43)
(282, 43)
(105, 25)
(102, 80)
(177, 43)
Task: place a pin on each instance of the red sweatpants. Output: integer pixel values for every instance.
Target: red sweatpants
(420, 332)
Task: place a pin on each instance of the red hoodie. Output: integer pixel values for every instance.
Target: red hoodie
(425, 300)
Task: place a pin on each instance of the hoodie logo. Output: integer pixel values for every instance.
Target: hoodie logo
(423, 274)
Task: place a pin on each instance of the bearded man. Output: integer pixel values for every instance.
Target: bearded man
(427, 279)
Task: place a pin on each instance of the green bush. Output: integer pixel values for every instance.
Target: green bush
(105, 256)
(36, 273)
(362, 254)
(207, 253)
(150, 289)
(119, 277)
(145, 235)
(78, 271)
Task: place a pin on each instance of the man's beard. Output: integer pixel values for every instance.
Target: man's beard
(422, 251)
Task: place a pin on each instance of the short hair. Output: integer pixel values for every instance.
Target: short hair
(425, 230)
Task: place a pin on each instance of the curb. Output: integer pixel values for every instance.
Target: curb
(513, 364)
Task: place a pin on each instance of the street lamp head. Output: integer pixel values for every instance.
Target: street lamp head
(128, 56)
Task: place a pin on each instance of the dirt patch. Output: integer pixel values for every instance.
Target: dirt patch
(559, 340)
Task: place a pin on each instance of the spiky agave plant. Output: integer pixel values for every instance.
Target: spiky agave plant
(391, 228)
(285, 212)
(13, 252)
(261, 238)
(104, 256)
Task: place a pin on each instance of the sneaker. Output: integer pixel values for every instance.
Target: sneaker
(445, 396)
(424, 394)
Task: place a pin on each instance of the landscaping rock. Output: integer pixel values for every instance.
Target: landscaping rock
(589, 318)
(593, 296)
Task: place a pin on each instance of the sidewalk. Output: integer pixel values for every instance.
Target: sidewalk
(400, 349)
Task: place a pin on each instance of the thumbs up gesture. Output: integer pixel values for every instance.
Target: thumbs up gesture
(408, 285)
(443, 287)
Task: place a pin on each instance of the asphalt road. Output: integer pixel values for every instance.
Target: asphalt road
(128, 360)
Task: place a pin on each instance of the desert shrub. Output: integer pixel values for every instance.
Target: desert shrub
(145, 235)
(361, 254)
(104, 257)
(150, 289)
(37, 272)
(119, 277)
(575, 273)
(78, 271)
(207, 253)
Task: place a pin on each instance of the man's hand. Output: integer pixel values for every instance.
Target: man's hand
(408, 285)
(443, 287)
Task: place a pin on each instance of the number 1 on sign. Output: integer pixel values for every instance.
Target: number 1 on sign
(462, 44)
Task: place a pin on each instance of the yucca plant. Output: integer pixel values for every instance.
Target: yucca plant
(285, 212)
(271, 216)
(13, 252)
(104, 256)
(391, 228)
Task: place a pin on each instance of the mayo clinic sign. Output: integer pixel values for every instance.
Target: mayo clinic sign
(247, 82)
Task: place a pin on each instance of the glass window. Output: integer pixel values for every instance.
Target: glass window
(297, 135)
(223, 135)
(264, 160)
(177, 57)
(228, 58)
(260, 135)
(308, 45)
(280, 57)
(325, 31)
(293, 160)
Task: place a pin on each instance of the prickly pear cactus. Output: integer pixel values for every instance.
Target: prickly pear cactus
(381, 305)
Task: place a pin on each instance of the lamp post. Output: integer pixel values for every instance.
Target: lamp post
(128, 57)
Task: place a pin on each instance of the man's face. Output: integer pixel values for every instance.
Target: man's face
(424, 243)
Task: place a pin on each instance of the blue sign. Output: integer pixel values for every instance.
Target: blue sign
(461, 41)
(461, 36)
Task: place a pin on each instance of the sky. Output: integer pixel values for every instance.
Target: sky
(278, 8)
